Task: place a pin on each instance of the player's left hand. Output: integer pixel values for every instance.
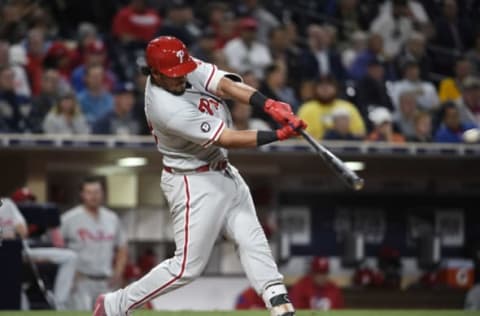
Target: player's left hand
(291, 129)
(279, 111)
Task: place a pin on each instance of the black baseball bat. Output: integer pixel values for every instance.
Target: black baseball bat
(346, 174)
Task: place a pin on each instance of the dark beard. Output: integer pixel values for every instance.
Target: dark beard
(177, 93)
(326, 100)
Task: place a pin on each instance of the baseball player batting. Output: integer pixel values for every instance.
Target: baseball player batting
(206, 194)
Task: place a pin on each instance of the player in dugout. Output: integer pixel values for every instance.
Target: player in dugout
(315, 290)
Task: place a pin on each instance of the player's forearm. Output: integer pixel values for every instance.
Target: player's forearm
(121, 260)
(237, 139)
(235, 90)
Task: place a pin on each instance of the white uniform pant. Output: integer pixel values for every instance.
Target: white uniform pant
(66, 260)
(85, 292)
(202, 206)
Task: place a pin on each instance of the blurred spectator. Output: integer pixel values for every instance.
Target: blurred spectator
(374, 51)
(266, 20)
(404, 116)
(469, 103)
(390, 266)
(36, 48)
(51, 88)
(225, 26)
(14, 21)
(449, 88)
(473, 55)
(318, 112)
(357, 44)
(285, 51)
(341, 126)
(427, 98)
(415, 50)
(179, 22)
(66, 117)
(12, 222)
(59, 57)
(53, 251)
(372, 91)
(95, 100)
(452, 128)
(415, 11)
(18, 60)
(383, 128)
(395, 26)
(15, 109)
(275, 86)
(453, 36)
(120, 120)
(245, 53)
(250, 79)
(366, 276)
(205, 47)
(95, 55)
(94, 232)
(139, 108)
(315, 290)
(306, 91)
(423, 128)
(472, 299)
(319, 59)
(135, 22)
(242, 120)
(86, 36)
(249, 299)
(350, 19)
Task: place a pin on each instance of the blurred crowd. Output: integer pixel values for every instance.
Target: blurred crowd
(394, 70)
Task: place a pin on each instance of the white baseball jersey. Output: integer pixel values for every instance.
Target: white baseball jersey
(10, 217)
(186, 126)
(93, 239)
(202, 204)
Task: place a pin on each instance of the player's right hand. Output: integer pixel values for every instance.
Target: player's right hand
(291, 129)
(279, 111)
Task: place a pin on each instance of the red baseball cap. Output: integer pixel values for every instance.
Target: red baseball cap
(248, 23)
(22, 195)
(58, 50)
(95, 47)
(319, 265)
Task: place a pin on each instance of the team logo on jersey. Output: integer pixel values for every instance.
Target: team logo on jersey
(207, 105)
(205, 127)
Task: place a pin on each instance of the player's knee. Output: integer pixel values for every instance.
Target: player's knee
(191, 273)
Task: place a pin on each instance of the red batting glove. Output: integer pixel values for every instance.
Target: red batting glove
(279, 111)
(291, 129)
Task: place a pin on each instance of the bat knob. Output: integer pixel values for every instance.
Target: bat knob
(358, 184)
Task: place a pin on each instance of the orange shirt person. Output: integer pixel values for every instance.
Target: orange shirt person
(315, 290)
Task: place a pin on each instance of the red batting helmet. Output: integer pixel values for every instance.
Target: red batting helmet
(169, 56)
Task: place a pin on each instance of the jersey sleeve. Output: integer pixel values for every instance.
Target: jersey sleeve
(15, 215)
(195, 126)
(207, 76)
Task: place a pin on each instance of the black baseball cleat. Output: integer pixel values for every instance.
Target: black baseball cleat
(281, 306)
